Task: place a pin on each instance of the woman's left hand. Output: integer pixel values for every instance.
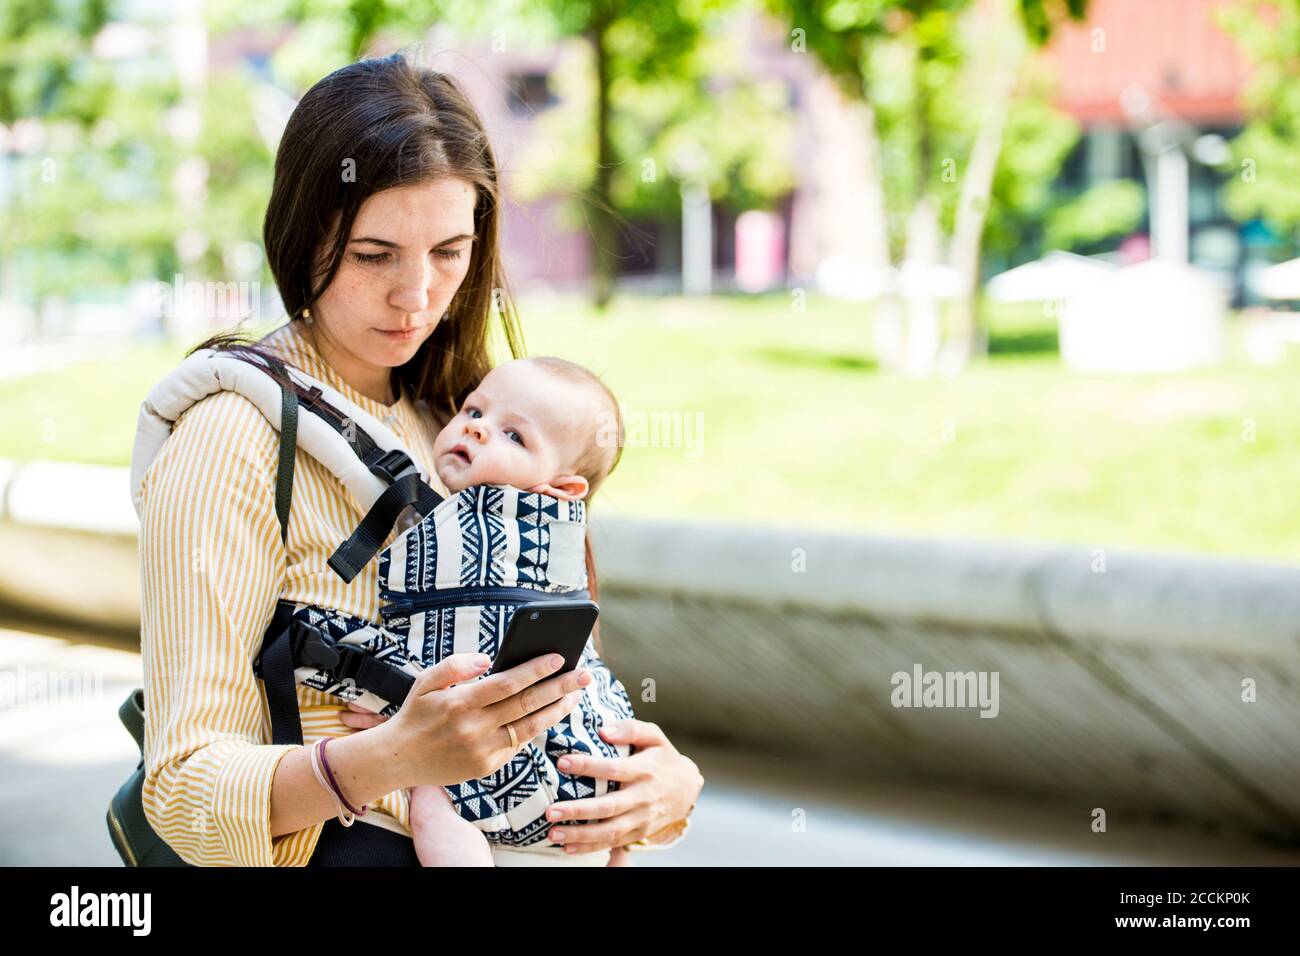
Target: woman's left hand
(656, 786)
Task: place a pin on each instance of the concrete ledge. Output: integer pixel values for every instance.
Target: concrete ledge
(1143, 598)
(53, 494)
(1119, 689)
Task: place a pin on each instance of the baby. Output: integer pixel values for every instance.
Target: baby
(542, 425)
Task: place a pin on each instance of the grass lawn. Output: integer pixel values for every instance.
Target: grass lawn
(799, 428)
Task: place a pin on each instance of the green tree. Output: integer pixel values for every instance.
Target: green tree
(86, 160)
(934, 83)
(643, 59)
(735, 131)
(1266, 155)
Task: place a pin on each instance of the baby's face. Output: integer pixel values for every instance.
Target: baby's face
(519, 427)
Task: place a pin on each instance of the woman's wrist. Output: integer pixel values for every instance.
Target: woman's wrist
(368, 765)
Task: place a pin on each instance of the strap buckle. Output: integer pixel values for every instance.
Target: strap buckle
(351, 660)
(350, 665)
(317, 649)
(312, 646)
(392, 465)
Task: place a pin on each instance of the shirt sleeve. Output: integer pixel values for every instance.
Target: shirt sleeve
(212, 568)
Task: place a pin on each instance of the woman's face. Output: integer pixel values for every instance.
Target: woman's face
(407, 254)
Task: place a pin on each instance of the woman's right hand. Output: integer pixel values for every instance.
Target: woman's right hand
(452, 727)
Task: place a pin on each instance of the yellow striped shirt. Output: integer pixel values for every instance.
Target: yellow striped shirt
(212, 568)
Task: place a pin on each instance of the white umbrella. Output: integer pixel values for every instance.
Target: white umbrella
(1058, 275)
(1281, 281)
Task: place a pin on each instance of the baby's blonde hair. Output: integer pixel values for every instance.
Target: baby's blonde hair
(604, 446)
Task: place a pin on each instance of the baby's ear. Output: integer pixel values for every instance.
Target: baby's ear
(564, 487)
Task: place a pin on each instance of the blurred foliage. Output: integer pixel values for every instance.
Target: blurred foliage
(43, 59)
(1107, 209)
(1266, 155)
(919, 68)
(1030, 210)
(738, 133)
(89, 195)
(92, 197)
(647, 99)
(87, 158)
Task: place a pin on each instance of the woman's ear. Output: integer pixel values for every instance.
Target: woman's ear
(564, 487)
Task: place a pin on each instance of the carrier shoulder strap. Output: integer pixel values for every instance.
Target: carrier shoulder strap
(288, 452)
(362, 452)
(289, 642)
(356, 447)
(406, 487)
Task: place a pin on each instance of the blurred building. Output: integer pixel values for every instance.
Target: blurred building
(1171, 51)
(1174, 54)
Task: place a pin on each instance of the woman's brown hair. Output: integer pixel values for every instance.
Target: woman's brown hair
(373, 125)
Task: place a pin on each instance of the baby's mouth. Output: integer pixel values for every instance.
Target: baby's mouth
(460, 452)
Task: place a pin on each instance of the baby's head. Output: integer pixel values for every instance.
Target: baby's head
(539, 424)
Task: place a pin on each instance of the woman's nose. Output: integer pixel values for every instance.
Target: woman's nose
(411, 295)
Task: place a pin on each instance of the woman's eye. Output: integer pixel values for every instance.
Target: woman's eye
(370, 258)
(448, 253)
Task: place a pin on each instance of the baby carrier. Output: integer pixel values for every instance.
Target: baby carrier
(450, 583)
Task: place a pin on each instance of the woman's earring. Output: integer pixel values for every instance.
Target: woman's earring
(306, 314)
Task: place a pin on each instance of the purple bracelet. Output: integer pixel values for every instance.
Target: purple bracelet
(334, 784)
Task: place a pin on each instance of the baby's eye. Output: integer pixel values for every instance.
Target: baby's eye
(515, 436)
(471, 413)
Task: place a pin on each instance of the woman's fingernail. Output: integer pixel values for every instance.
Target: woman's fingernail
(555, 661)
(482, 660)
(609, 732)
(564, 763)
(557, 836)
(553, 813)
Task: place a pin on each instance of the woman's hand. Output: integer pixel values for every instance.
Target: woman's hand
(448, 730)
(656, 786)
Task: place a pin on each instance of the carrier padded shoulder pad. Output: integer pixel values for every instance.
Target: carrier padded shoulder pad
(208, 371)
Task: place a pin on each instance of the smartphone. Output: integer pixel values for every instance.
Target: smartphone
(547, 627)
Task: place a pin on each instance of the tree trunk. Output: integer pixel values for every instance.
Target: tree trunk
(887, 312)
(600, 213)
(977, 184)
(924, 248)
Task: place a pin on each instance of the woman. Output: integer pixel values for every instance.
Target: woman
(382, 233)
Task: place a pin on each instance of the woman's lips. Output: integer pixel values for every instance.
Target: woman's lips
(401, 335)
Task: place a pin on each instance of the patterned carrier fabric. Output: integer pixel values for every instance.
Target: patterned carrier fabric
(486, 536)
